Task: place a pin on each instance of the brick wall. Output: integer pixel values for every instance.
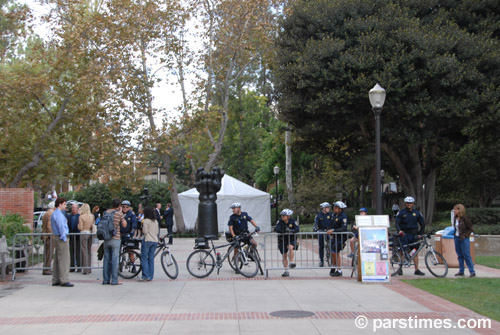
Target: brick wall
(18, 200)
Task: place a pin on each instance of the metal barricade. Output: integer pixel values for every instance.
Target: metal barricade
(35, 251)
(306, 254)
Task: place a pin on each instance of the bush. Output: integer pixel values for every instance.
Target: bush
(12, 224)
(478, 216)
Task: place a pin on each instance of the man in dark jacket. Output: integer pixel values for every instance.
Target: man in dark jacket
(74, 240)
(168, 215)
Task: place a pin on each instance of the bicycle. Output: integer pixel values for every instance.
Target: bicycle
(434, 261)
(201, 262)
(129, 261)
(354, 261)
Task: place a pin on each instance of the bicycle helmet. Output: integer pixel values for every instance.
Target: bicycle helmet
(409, 200)
(287, 212)
(324, 205)
(235, 205)
(363, 209)
(126, 203)
(340, 204)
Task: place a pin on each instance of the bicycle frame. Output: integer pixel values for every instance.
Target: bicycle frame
(408, 260)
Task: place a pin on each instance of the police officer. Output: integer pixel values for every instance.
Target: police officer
(287, 242)
(337, 243)
(323, 222)
(238, 223)
(129, 216)
(408, 221)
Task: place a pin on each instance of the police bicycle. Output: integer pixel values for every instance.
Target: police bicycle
(201, 262)
(129, 261)
(435, 262)
(327, 254)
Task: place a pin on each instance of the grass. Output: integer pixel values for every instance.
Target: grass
(480, 295)
(490, 261)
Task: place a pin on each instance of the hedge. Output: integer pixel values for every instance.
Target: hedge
(478, 216)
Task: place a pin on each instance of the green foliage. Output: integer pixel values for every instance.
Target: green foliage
(440, 69)
(478, 216)
(459, 178)
(12, 224)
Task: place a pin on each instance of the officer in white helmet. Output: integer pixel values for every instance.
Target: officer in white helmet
(238, 223)
(287, 243)
(323, 222)
(337, 243)
(410, 226)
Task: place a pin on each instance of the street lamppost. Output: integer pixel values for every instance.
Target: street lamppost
(276, 172)
(377, 99)
(382, 175)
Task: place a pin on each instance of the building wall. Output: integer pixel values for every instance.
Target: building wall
(18, 200)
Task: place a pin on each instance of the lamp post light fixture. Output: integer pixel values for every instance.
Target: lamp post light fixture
(377, 99)
(276, 172)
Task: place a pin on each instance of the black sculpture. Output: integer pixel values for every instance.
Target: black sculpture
(208, 184)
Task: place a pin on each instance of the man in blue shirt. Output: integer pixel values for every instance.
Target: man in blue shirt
(238, 223)
(410, 226)
(59, 224)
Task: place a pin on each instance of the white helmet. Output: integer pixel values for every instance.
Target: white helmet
(409, 200)
(235, 205)
(340, 204)
(287, 212)
(325, 205)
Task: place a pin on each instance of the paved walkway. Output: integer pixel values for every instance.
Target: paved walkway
(222, 304)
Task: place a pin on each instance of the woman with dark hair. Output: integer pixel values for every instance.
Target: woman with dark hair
(463, 229)
(150, 232)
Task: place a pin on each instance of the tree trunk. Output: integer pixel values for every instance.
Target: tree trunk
(288, 166)
(176, 205)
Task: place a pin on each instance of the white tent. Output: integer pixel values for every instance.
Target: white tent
(253, 201)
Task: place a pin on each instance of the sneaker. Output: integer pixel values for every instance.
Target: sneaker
(473, 274)
(332, 273)
(285, 274)
(419, 273)
(292, 265)
(134, 270)
(399, 272)
(68, 284)
(459, 274)
(351, 255)
(338, 273)
(321, 264)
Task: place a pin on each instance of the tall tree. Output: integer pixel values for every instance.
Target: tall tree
(53, 103)
(438, 77)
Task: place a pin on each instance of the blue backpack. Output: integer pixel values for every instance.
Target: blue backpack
(106, 227)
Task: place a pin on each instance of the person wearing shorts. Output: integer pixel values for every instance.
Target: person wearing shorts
(287, 242)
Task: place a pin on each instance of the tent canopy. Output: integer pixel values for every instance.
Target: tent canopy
(253, 201)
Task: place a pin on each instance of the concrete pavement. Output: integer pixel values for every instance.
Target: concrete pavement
(221, 304)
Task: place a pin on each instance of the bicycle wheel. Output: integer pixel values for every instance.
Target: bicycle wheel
(247, 264)
(200, 263)
(129, 264)
(354, 264)
(396, 263)
(169, 264)
(230, 258)
(436, 264)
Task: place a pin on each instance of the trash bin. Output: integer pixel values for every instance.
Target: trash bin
(445, 244)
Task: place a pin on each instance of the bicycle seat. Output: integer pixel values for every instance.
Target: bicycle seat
(209, 237)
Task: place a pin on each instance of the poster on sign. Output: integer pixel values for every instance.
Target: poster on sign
(373, 248)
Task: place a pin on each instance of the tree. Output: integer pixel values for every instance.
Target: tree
(438, 77)
(53, 106)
